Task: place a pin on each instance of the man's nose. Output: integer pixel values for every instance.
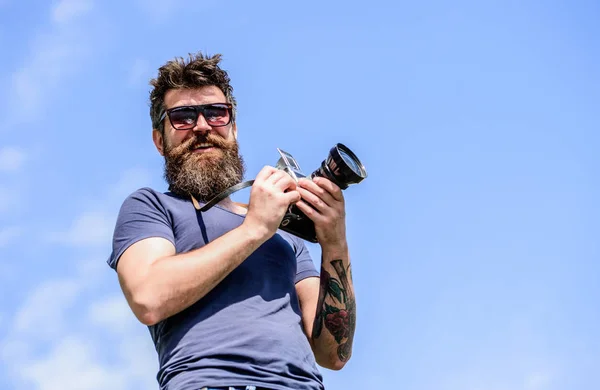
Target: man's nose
(201, 124)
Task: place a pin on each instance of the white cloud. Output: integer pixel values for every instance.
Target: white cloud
(11, 159)
(54, 53)
(8, 234)
(73, 361)
(112, 312)
(47, 305)
(72, 365)
(15, 350)
(50, 347)
(140, 360)
(135, 349)
(78, 332)
(67, 10)
(95, 228)
(537, 381)
(90, 268)
(53, 56)
(160, 11)
(41, 318)
(91, 228)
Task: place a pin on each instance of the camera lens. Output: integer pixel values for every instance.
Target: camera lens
(352, 164)
(342, 167)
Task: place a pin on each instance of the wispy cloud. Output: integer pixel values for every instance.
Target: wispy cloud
(111, 312)
(72, 364)
(53, 54)
(71, 360)
(67, 10)
(94, 228)
(91, 228)
(46, 304)
(161, 11)
(70, 343)
(538, 381)
(11, 159)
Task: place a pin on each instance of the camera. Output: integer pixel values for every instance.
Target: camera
(341, 166)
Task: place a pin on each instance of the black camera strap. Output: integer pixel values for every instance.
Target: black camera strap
(221, 196)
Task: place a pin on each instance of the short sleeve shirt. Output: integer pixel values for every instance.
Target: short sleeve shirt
(248, 329)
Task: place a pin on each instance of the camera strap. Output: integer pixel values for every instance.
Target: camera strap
(221, 196)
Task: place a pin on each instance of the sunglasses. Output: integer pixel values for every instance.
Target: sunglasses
(186, 117)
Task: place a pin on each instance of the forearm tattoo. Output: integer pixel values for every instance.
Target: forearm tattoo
(336, 309)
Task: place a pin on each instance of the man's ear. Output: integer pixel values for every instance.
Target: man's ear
(157, 137)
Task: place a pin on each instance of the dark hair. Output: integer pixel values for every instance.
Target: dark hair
(198, 70)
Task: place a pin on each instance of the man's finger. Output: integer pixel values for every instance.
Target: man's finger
(322, 193)
(330, 187)
(265, 172)
(314, 200)
(286, 182)
(292, 196)
(310, 212)
(276, 177)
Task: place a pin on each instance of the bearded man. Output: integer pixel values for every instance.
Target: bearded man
(231, 301)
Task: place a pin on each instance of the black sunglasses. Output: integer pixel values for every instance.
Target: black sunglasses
(186, 117)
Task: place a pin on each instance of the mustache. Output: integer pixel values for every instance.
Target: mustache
(189, 145)
(217, 141)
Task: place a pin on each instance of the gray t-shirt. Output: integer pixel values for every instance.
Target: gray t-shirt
(248, 329)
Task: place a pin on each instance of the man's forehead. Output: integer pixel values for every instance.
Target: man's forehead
(202, 95)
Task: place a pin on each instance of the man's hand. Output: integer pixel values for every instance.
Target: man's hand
(272, 193)
(328, 210)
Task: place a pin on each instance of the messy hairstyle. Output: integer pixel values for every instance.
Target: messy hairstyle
(197, 71)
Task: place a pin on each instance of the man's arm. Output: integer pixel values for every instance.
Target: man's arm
(159, 283)
(328, 303)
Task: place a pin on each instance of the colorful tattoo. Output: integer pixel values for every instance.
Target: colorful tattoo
(339, 320)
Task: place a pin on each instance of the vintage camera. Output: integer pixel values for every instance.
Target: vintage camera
(341, 166)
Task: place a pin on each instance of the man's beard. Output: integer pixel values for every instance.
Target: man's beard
(203, 175)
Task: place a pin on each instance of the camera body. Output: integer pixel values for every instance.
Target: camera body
(341, 166)
(295, 221)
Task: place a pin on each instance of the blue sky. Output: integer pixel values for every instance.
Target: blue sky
(474, 239)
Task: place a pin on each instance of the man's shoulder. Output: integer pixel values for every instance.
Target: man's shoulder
(146, 200)
(151, 194)
(146, 192)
